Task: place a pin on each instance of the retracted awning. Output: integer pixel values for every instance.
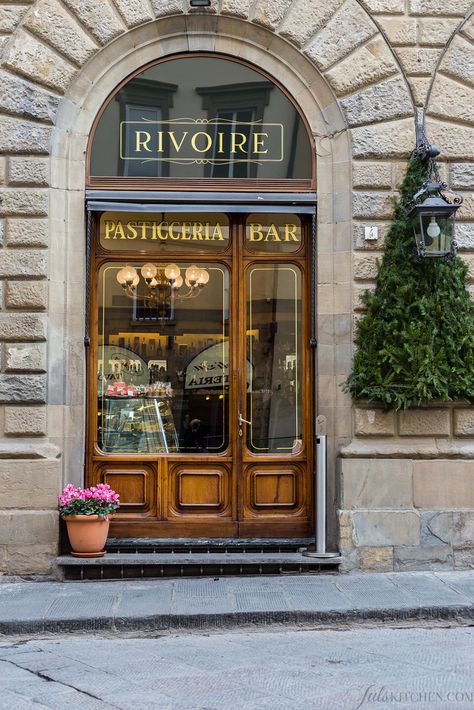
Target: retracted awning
(152, 201)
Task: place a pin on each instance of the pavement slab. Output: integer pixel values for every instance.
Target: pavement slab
(231, 602)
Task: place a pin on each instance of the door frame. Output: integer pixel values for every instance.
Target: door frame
(235, 525)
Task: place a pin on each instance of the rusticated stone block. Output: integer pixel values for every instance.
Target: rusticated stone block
(350, 27)
(435, 528)
(443, 484)
(382, 528)
(24, 527)
(270, 13)
(456, 8)
(53, 24)
(27, 232)
(435, 32)
(28, 56)
(452, 100)
(29, 357)
(238, 8)
(11, 16)
(3, 170)
(395, 7)
(368, 64)
(23, 99)
(418, 61)
(306, 17)
(372, 175)
(29, 484)
(458, 61)
(346, 529)
(462, 176)
(372, 205)
(464, 422)
(401, 31)
(99, 18)
(23, 388)
(22, 326)
(388, 100)
(462, 527)
(374, 422)
(23, 201)
(134, 12)
(24, 262)
(430, 557)
(420, 86)
(469, 260)
(171, 7)
(365, 266)
(393, 139)
(27, 294)
(464, 557)
(376, 559)
(377, 483)
(27, 421)
(464, 236)
(2, 232)
(358, 293)
(18, 136)
(454, 142)
(28, 171)
(424, 422)
(29, 558)
(360, 242)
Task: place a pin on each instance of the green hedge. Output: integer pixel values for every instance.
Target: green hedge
(416, 341)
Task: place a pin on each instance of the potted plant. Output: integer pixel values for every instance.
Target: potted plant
(86, 512)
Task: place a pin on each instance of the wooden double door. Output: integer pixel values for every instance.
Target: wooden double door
(200, 403)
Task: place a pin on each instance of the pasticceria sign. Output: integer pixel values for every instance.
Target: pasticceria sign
(202, 231)
(201, 140)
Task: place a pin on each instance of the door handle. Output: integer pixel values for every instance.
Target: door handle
(243, 421)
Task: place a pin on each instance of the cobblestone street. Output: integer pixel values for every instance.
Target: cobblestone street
(427, 669)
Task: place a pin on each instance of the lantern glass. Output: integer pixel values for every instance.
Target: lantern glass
(435, 232)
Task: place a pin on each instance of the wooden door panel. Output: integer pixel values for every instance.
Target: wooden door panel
(136, 486)
(197, 490)
(275, 490)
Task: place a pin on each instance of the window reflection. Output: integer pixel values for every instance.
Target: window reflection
(274, 353)
(163, 364)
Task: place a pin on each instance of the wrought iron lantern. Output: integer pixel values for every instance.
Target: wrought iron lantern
(433, 216)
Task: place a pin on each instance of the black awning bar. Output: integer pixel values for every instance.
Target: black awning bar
(210, 198)
(100, 206)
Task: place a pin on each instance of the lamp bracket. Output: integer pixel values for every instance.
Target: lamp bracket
(424, 150)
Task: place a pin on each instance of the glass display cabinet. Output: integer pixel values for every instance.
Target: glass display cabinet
(137, 425)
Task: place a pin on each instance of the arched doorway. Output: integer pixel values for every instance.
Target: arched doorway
(200, 373)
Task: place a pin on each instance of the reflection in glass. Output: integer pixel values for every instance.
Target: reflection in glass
(274, 352)
(163, 366)
(165, 123)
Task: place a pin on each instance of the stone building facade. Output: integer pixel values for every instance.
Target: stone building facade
(401, 484)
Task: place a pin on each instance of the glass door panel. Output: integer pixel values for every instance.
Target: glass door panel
(163, 358)
(273, 332)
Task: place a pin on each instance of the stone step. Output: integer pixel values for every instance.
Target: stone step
(135, 565)
(204, 544)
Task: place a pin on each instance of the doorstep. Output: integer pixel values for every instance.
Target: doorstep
(136, 558)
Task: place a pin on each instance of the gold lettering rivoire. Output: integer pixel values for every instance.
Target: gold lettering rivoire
(153, 230)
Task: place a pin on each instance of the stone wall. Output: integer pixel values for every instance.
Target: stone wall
(357, 69)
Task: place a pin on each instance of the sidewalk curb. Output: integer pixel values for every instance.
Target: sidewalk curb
(459, 614)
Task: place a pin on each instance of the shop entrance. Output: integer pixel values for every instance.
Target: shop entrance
(201, 396)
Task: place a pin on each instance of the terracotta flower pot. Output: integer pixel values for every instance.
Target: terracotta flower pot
(87, 534)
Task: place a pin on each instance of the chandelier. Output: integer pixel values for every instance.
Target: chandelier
(162, 282)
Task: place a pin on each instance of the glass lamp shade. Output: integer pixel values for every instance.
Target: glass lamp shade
(172, 272)
(203, 278)
(192, 274)
(128, 276)
(178, 282)
(148, 271)
(433, 221)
